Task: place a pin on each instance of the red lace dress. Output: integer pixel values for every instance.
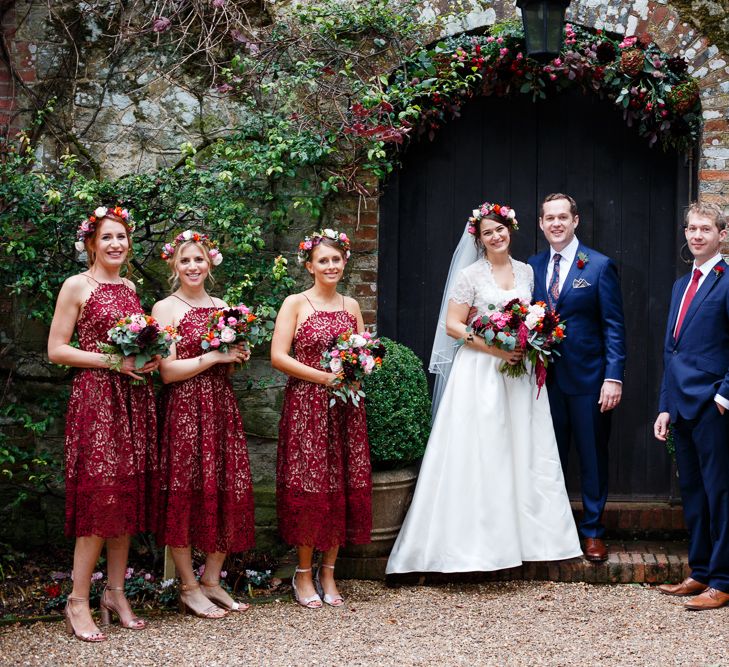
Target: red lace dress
(323, 476)
(111, 433)
(206, 495)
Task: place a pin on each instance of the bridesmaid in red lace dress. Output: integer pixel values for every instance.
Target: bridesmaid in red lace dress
(206, 495)
(323, 478)
(111, 428)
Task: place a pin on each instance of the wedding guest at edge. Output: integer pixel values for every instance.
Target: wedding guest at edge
(323, 477)
(585, 382)
(111, 428)
(694, 399)
(490, 492)
(206, 493)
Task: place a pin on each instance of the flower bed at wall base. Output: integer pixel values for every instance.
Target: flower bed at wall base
(653, 90)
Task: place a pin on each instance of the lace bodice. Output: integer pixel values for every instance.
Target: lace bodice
(106, 305)
(475, 285)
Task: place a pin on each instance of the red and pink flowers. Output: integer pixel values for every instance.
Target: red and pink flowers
(545, 331)
(352, 356)
(533, 328)
(508, 214)
(228, 326)
(140, 336)
(504, 328)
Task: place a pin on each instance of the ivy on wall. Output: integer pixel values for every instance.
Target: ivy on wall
(329, 95)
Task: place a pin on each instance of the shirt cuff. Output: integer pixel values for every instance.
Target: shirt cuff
(611, 380)
(722, 401)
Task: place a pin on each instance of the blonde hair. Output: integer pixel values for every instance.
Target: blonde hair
(174, 278)
(90, 241)
(706, 210)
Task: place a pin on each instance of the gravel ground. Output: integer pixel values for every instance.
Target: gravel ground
(499, 624)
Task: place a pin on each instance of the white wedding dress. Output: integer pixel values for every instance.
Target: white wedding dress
(491, 492)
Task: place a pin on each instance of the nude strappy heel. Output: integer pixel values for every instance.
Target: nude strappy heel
(209, 612)
(97, 636)
(107, 607)
(212, 595)
(311, 602)
(331, 600)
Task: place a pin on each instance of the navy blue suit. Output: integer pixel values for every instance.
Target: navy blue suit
(695, 369)
(591, 304)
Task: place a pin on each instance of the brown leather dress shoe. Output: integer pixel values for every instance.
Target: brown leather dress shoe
(711, 598)
(688, 586)
(595, 550)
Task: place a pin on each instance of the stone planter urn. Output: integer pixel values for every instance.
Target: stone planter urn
(392, 492)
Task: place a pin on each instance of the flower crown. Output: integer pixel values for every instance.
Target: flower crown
(168, 250)
(310, 242)
(508, 214)
(88, 226)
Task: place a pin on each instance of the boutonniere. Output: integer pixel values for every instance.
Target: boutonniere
(718, 270)
(582, 260)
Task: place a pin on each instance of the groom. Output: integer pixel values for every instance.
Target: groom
(585, 382)
(695, 399)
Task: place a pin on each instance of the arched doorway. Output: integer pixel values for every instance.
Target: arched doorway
(631, 199)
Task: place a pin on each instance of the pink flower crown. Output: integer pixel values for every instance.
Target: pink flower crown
(508, 214)
(310, 242)
(168, 250)
(88, 226)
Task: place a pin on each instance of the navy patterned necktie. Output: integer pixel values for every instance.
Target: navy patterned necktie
(553, 290)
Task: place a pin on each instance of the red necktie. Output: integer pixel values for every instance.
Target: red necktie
(690, 292)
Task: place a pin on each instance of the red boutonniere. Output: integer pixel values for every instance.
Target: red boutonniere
(582, 260)
(718, 270)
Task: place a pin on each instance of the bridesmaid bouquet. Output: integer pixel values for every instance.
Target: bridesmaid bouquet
(545, 332)
(139, 335)
(227, 326)
(505, 328)
(352, 356)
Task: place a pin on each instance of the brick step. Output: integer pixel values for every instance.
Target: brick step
(629, 562)
(644, 519)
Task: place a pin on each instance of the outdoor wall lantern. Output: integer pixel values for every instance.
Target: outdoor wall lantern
(543, 25)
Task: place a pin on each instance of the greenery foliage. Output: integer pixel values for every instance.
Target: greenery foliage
(328, 93)
(398, 408)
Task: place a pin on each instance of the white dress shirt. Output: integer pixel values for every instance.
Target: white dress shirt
(565, 263)
(705, 268)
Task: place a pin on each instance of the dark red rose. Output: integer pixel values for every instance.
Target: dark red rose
(147, 335)
(580, 264)
(605, 52)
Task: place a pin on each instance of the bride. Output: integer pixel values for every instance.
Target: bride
(491, 492)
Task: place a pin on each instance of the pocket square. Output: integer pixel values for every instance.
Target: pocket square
(578, 283)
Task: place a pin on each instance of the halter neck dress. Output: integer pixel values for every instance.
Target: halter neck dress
(323, 477)
(206, 493)
(111, 432)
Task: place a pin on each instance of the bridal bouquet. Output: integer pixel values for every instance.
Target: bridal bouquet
(532, 327)
(545, 332)
(352, 356)
(139, 335)
(227, 326)
(505, 328)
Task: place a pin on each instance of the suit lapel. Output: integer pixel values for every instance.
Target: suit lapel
(542, 277)
(676, 303)
(698, 299)
(571, 275)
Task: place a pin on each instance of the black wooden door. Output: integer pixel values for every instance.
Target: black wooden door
(630, 197)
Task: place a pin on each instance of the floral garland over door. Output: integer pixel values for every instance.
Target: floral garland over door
(654, 91)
